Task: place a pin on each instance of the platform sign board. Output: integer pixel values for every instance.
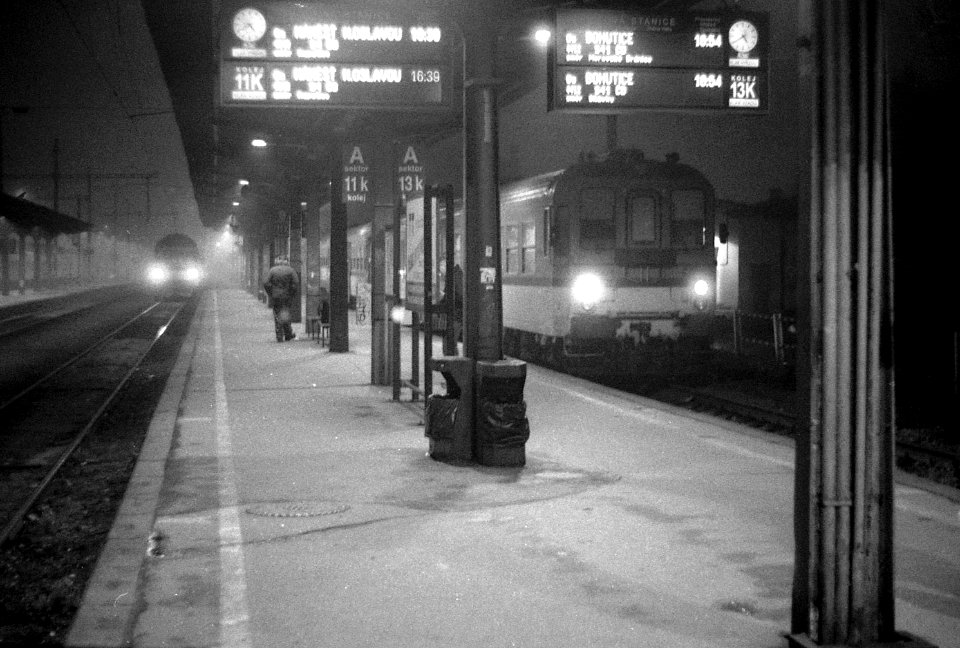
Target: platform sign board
(409, 171)
(298, 54)
(356, 176)
(609, 61)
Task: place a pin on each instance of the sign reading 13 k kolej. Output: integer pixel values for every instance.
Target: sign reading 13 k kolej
(607, 61)
(308, 55)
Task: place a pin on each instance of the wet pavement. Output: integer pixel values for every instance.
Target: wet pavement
(282, 500)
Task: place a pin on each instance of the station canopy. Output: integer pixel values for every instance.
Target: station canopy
(25, 215)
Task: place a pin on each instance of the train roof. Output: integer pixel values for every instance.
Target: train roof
(176, 242)
(618, 164)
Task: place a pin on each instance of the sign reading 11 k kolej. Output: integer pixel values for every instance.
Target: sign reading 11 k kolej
(606, 61)
(309, 55)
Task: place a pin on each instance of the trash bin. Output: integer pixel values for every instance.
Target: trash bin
(448, 417)
(502, 428)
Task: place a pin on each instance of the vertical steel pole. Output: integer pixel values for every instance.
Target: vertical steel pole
(384, 187)
(483, 318)
(394, 326)
(429, 195)
(295, 233)
(339, 263)
(450, 289)
(414, 352)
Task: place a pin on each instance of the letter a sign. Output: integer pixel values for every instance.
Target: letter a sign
(409, 171)
(356, 176)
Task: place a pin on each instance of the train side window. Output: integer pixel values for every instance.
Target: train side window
(641, 220)
(547, 231)
(528, 249)
(560, 231)
(511, 249)
(596, 219)
(687, 227)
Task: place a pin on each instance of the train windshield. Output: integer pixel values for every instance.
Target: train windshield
(688, 226)
(596, 219)
(642, 219)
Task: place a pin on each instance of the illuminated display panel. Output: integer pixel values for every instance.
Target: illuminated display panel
(598, 87)
(309, 55)
(328, 84)
(607, 60)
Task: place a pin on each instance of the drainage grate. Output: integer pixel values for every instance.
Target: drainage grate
(296, 509)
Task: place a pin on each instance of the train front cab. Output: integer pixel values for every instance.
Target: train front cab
(628, 261)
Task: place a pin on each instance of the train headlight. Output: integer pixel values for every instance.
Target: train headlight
(701, 288)
(192, 274)
(157, 274)
(587, 290)
(701, 293)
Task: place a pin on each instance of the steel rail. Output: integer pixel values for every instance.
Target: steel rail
(15, 522)
(38, 319)
(75, 358)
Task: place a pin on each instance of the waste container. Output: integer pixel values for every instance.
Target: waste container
(448, 417)
(502, 428)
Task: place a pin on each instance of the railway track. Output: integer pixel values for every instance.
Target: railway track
(47, 420)
(777, 416)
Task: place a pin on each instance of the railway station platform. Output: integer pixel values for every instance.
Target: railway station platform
(280, 500)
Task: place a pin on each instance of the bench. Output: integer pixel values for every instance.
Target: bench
(319, 331)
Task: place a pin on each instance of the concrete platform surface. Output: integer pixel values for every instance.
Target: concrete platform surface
(284, 501)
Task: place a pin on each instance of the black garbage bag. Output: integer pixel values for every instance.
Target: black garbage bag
(440, 415)
(502, 425)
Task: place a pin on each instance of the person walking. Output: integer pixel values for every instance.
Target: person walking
(282, 286)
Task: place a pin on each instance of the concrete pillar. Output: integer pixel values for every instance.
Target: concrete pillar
(843, 591)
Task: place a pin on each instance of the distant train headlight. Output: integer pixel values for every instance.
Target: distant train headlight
(587, 290)
(701, 288)
(191, 274)
(157, 274)
(701, 294)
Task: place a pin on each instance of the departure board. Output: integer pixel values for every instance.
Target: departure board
(607, 61)
(309, 55)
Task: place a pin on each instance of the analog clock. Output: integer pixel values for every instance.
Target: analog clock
(743, 36)
(249, 25)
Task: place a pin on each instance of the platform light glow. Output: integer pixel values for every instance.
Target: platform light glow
(258, 143)
(243, 183)
(398, 314)
(542, 36)
(701, 287)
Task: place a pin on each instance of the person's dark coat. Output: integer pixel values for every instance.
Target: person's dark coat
(282, 284)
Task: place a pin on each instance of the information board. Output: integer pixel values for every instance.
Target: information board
(308, 55)
(607, 61)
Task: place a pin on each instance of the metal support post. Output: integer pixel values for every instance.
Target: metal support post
(339, 263)
(395, 326)
(843, 591)
(295, 230)
(428, 199)
(499, 417)
(383, 190)
(451, 289)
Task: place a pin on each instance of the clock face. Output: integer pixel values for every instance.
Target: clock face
(743, 36)
(249, 25)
